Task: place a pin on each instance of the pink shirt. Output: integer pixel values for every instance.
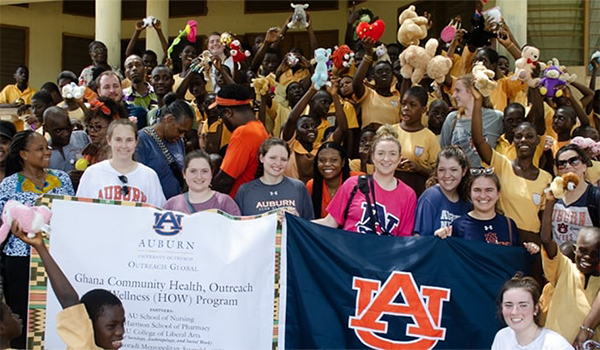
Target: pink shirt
(395, 209)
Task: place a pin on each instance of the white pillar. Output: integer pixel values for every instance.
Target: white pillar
(515, 15)
(108, 28)
(160, 10)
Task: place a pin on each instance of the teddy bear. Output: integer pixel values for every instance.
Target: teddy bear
(484, 79)
(438, 67)
(30, 219)
(563, 183)
(524, 66)
(414, 60)
(591, 147)
(412, 27)
(381, 52)
(203, 65)
(551, 82)
(262, 85)
(320, 76)
(237, 52)
(342, 57)
(299, 19)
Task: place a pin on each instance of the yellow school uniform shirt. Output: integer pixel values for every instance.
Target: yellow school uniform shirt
(506, 89)
(570, 302)
(355, 166)
(508, 149)
(285, 79)
(349, 111)
(421, 146)
(299, 151)
(176, 82)
(556, 145)
(521, 198)
(592, 174)
(75, 328)
(278, 114)
(225, 135)
(379, 109)
(11, 94)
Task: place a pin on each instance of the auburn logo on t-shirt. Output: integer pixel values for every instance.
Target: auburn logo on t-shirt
(118, 193)
(389, 220)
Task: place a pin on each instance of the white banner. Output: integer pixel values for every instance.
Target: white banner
(200, 281)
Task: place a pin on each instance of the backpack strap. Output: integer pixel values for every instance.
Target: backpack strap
(592, 200)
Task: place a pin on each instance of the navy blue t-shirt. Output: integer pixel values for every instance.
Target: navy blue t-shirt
(494, 231)
(434, 211)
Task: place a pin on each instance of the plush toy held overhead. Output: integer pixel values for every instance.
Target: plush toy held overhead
(264, 85)
(30, 219)
(381, 52)
(320, 76)
(447, 34)
(438, 67)
(561, 184)
(342, 57)
(374, 30)
(226, 38)
(551, 82)
(72, 90)
(299, 19)
(484, 79)
(479, 37)
(585, 143)
(524, 66)
(238, 54)
(413, 27)
(414, 60)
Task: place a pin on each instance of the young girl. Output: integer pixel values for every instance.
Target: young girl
(186, 56)
(419, 145)
(198, 176)
(331, 170)
(445, 199)
(271, 190)
(483, 223)
(122, 178)
(390, 206)
(364, 163)
(519, 305)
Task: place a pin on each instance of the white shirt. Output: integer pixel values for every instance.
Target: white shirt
(506, 339)
(102, 181)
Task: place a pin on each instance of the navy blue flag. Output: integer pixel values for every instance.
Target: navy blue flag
(349, 290)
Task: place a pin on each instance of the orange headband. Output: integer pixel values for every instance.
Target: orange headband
(228, 102)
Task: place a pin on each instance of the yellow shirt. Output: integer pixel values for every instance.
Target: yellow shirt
(11, 94)
(508, 149)
(176, 82)
(299, 151)
(507, 89)
(75, 328)
(570, 302)
(379, 109)
(211, 129)
(421, 146)
(592, 174)
(285, 79)
(355, 166)
(521, 199)
(349, 111)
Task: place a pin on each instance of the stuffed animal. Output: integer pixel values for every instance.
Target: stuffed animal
(374, 30)
(226, 38)
(264, 85)
(72, 90)
(237, 52)
(561, 184)
(595, 56)
(585, 143)
(524, 66)
(30, 219)
(320, 76)
(203, 66)
(438, 67)
(484, 79)
(447, 34)
(381, 52)
(412, 27)
(299, 19)
(414, 60)
(551, 82)
(342, 57)
(479, 37)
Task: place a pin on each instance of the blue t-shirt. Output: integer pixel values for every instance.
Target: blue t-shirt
(139, 112)
(494, 231)
(435, 210)
(78, 141)
(148, 153)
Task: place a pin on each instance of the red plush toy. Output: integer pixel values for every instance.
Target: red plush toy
(236, 52)
(374, 30)
(342, 57)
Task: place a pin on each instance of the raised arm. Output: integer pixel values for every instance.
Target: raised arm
(290, 125)
(340, 117)
(595, 65)
(536, 113)
(161, 37)
(139, 26)
(271, 37)
(357, 82)
(588, 97)
(219, 67)
(590, 322)
(546, 231)
(583, 118)
(65, 293)
(507, 40)
(311, 34)
(483, 148)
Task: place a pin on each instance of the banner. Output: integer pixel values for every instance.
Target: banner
(186, 281)
(349, 290)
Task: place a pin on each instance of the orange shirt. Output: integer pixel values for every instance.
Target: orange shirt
(241, 158)
(325, 198)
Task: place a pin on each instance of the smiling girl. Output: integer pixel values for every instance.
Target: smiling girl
(520, 308)
(271, 190)
(121, 178)
(198, 175)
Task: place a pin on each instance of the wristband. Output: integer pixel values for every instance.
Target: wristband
(587, 329)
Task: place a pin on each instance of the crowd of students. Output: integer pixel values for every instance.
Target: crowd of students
(370, 152)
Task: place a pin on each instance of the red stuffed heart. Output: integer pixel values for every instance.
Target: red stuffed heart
(374, 30)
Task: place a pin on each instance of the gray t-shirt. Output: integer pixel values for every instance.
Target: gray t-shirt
(255, 197)
(461, 135)
(72, 152)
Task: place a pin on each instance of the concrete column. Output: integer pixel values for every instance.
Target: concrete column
(108, 28)
(515, 15)
(160, 10)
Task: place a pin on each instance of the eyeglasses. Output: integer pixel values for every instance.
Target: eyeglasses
(574, 161)
(482, 171)
(125, 188)
(95, 128)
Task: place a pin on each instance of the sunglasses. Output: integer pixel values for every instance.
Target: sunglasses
(482, 171)
(125, 188)
(574, 161)
(95, 128)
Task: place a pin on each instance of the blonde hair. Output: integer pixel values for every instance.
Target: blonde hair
(385, 133)
(468, 81)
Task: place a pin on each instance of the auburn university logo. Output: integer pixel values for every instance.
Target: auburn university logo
(423, 305)
(167, 223)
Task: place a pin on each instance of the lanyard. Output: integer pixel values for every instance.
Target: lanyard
(187, 200)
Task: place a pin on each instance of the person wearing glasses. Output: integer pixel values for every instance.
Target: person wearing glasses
(27, 178)
(120, 178)
(483, 223)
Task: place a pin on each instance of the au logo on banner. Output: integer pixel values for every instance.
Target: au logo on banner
(424, 306)
(167, 223)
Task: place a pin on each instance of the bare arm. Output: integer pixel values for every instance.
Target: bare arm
(139, 26)
(595, 66)
(271, 37)
(536, 113)
(546, 231)
(483, 148)
(340, 117)
(591, 321)
(161, 38)
(311, 34)
(583, 118)
(222, 182)
(588, 96)
(290, 125)
(218, 66)
(326, 221)
(357, 82)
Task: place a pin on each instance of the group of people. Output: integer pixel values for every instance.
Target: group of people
(370, 152)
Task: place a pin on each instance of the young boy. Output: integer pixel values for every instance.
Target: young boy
(96, 321)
